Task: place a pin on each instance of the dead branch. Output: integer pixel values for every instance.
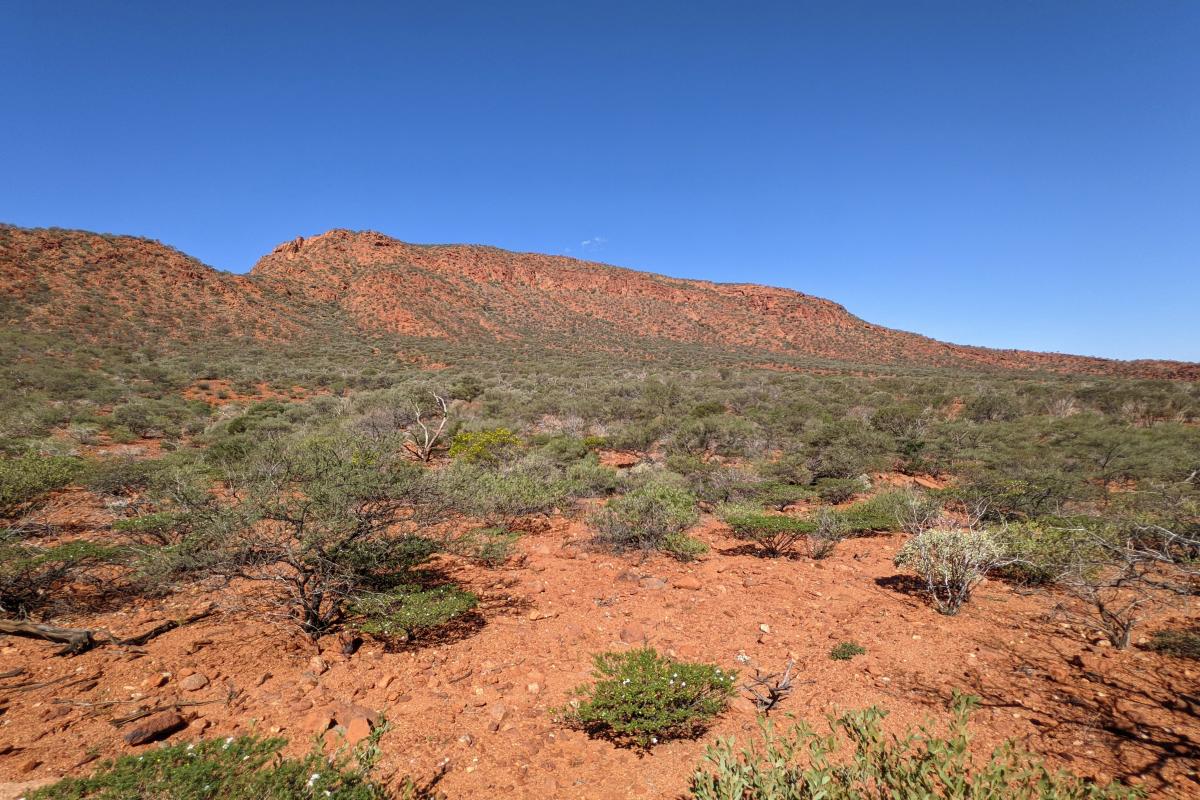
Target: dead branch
(77, 640)
(80, 640)
(768, 691)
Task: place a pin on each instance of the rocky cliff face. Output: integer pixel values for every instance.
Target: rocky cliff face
(105, 286)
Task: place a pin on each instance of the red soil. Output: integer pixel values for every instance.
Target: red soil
(482, 697)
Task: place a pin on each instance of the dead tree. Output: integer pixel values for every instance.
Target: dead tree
(422, 441)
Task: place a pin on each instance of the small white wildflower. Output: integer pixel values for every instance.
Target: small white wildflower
(653, 740)
(313, 779)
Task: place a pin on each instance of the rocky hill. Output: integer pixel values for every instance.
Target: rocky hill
(126, 288)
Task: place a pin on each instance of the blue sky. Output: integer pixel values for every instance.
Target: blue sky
(1011, 174)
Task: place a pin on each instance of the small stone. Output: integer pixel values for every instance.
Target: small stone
(765, 628)
(652, 583)
(27, 766)
(633, 633)
(533, 688)
(194, 682)
(318, 665)
(358, 729)
(689, 582)
(318, 721)
(155, 727)
(157, 680)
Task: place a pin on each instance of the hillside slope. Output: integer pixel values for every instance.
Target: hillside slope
(120, 288)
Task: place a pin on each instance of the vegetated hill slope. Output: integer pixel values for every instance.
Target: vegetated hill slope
(121, 288)
(98, 287)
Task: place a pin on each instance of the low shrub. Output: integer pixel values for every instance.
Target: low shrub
(800, 764)
(408, 612)
(883, 512)
(641, 698)
(488, 546)
(683, 547)
(838, 490)
(773, 534)
(241, 768)
(828, 531)
(31, 573)
(26, 481)
(951, 562)
(779, 495)
(492, 446)
(646, 516)
(1178, 643)
(844, 651)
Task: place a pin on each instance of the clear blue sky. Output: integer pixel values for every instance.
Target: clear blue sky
(1013, 174)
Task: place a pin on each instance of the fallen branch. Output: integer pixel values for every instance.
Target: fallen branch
(165, 627)
(80, 640)
(77, 640)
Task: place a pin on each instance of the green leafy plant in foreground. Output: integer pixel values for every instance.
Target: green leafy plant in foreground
(242, 768)
(641, 698)
(800, 764)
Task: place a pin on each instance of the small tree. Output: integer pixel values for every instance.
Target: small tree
(426, 431)
(951, 562)
(316, 517)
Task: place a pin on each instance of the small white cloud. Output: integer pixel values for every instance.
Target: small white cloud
(593, 243)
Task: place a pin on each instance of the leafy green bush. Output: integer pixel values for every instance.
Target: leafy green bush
(951, 562)
(27, 480)
(683, 547)
(1039, 552)
(485, 447)
(241, 768)
(641, 698)
(408, 612)
(780, 495)
(773, 534)
(800, 764)
(646, 516)
(838, 490)
(844, 651)
(883, 512)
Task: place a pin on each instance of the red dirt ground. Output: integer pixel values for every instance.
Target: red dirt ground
(482, 696)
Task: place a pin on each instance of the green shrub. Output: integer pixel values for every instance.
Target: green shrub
(883, 512)
(589, 478)
(1039, 553)
(683, 547)
(27, 480)
(844, 651)
(773, 534)
(951, 563)
(408, 612)
(781, 495)
(645, 517)
(1178, 643)
(485, 447)
(488, 546)
(838, 490)
(241, 768)
(800, 764)
(641, 698)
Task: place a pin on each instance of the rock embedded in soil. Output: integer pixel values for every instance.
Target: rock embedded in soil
(194, 682)
(155, 727)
